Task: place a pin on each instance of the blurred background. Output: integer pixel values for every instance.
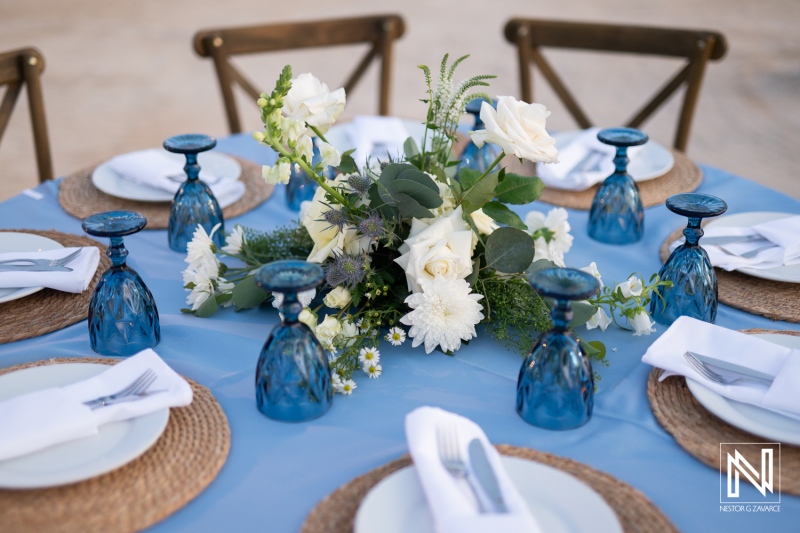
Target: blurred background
(122, 76)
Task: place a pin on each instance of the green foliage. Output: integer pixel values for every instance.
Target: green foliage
(246, 294)
(502, 214)
(283, 242)
(412, 191)
(480, 193)
(509, 250)
(515, 313)
(519, 190)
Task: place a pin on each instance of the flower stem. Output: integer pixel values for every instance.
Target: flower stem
(317, 132)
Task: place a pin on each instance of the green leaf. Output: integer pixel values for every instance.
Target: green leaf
(479, 194)
(593, 349)
(509, 250)
(208, 308)
(410, 148)
(540, 264)
(420, 177)
(388, 175)
(387, 211)
(582, 312)
(468, 177)
(247, 294)
(348, 164)
(518, 190)
(476, 266)
(423, 195)
(410, 208)
(502, 214)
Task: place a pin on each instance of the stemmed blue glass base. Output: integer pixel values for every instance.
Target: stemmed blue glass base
(694, 283)
(293, 376)
(123, 318)
(301, 188)
(555, 388)
(472, 157)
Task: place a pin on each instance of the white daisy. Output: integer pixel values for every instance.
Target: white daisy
(234, 241)
(396, 336)
(373, 370)
(369, 356)
(443, 314)
(347, 387)
(335, 379)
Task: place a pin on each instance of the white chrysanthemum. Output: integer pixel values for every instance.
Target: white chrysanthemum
(369, 356)
(373, 370)
(304, 297)
(443, 314)
(396, 336)
(202, 290)
(200, 252)
(234, 241)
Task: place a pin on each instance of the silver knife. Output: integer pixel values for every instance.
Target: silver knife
(715, 241)
(33, 268)
(732, 367)
(485, 475)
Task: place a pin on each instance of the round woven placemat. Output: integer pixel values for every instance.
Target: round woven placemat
(182, 462)
(773, 299)
(700, 433)
(49, 310)
(337, 511)
(80, 198)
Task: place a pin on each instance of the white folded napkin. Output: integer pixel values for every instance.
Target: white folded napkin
(451, 502)
(151, 168)
(40, 419)
(578, 153)
(83, 269)
(380, 137)
(785, 232)
(690, 334)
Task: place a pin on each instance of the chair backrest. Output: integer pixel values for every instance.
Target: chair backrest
(379, 30)
(696, 46)
(18, 68)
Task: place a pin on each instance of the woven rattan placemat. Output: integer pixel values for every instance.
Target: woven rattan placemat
(80, 198)
(336, 512)
(49, 310)
(772, 299)
(182, 462)
(700, 433)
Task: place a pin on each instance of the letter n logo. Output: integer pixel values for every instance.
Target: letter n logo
(755, 462)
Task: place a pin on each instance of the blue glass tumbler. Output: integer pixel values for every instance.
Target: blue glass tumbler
(302, 188)
(694, 283)
(555, 389)
(123, 319)
(473, 157)
(194, 203)
(293, 376)
(617, 215)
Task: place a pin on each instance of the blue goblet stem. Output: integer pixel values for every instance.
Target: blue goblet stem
(117, 252)
(191, 168)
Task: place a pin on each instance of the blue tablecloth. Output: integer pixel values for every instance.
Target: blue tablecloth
(277, 472)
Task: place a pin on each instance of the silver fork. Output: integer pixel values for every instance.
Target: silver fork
(707, 373)
(450, 456)
(137, 388)
(44, 262)
(751, 254)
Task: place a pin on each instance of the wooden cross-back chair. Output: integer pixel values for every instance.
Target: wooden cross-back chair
(18, 68)
(696, 46)
(221, 44)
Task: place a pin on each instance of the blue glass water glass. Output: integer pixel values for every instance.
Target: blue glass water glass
(194, 203)
(473, 157)
(302, 188)
(555, 389)
(293, 376)
(123, 319)
(694, 283)
(617, 215)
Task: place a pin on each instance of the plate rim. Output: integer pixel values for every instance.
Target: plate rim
(26, 291)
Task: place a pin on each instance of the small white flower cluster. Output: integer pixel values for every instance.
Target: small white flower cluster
(202, 277)
(343, 386)
(370, 358)
(551, 234)
(632, 288)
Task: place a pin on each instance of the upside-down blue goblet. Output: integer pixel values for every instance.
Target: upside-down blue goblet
(194, 203)
(301, 187)
(555, 389)
(473, 157)
(293, 376)
(617, 215)
(123, 319)
(694, 283)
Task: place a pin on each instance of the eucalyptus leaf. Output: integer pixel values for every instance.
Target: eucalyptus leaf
(423, 195)
(208, 308)
(388, 175)
(502, 214)
(518, 190)
(387, 210)
(509, 250)
(479, 194)
(582, 312)
(410, 148)
(419, 177)
(247, 294)
(410, 208)
(540, 264)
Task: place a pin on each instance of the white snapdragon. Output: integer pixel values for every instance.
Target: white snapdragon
(279, 173)
(311, 102)
(330, 155)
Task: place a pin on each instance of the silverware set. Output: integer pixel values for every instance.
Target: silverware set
(721, 241)
(137, 390)
(703, 364)
(39, 265)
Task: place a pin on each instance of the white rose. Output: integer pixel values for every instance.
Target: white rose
(328, 240)
(443, 248)
(632, 287)
(279, 173)
(349, 333)
(328, 330)
(518, 128)
(308, 318)
(338, 298)
(592, 269)
(641, 323)
(485, 224)
(330, 155)
(599, 319)
(310, 101)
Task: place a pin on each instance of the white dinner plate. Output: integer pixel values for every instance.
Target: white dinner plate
(785, 273)
(753, 419)
(111, 183)
(560, 502)
(115, 444)
(23, 242)
(653, 161)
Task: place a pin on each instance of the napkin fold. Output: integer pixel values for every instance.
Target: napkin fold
(582, 163)
(690, 334)
(783, 232)
(451, 501)
(83, 269)
(375, 136)
(40, 419)
(151, 168)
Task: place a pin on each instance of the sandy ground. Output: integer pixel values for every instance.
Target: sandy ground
(122, 75)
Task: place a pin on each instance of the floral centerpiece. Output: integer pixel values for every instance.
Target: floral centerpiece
(409, 249)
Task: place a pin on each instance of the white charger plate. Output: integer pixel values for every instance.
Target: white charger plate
(747, 417)
(115, 444)
(111, 183)
(785, 273)
(23, 242)
(560, 502)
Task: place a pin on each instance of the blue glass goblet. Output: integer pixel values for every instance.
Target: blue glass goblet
(473, 157)
(123, 319)
(694, 283)
(617, 215)
(301, 187)
(194, 203)
(293, 376)
(555, 389)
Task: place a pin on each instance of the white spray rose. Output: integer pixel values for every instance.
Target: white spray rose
(328, 329)
(308, 317)
(485, 224)
(631, 287)
(329, 240)
(592, 269)
(599, 319)
(310, 101)
(338, 298)
(641, 323)
(518, 128)
(349, 333)
(330, 155)
(279, 173)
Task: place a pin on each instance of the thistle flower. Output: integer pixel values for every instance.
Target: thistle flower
(335, 218)
(372, 226)
(359, 183)
(346, 270)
